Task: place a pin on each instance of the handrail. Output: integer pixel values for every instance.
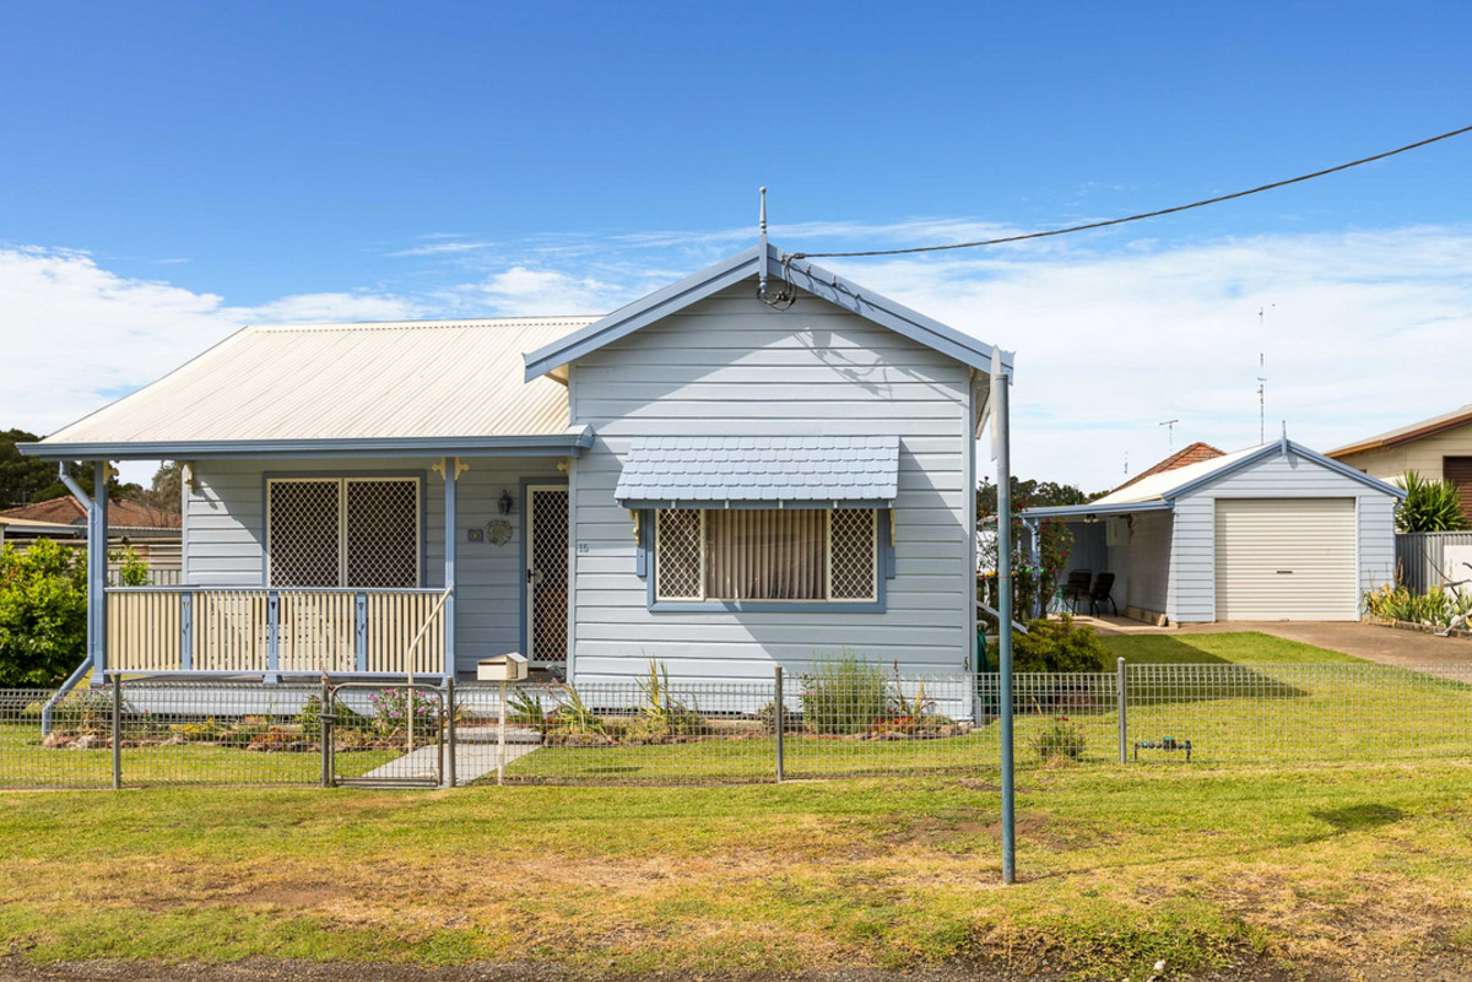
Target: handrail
(409, 660)
(1016, 625)
(78, 673)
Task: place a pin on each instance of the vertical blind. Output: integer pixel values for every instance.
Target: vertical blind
(766, 554)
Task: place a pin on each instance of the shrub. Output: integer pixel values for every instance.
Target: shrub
(1063, 739)
(1434, 608)
(132, 570)
(83, 711)
(527, 710)
(391, 711)
(203, 731)
(43, 613)
(574, 721)
(845, 696)
(1430, 506)
(310, 718)
(1057, 646)
(663, 715)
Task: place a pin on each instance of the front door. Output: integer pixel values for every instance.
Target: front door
(546, 574)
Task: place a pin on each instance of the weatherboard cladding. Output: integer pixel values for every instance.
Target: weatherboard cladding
(348, 381)
(806, 279)
(730, 366)
(715, 469)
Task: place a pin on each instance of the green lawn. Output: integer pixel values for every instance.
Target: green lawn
(1336, 867)
(1294, 703)
(1322, 824)
(1237, 647)
(25, 763)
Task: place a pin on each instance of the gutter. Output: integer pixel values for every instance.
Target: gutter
(549, 445)
(78, 673)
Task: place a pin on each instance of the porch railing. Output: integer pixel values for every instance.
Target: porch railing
(268, 631)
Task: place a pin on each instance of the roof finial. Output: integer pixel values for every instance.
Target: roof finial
(761, 279)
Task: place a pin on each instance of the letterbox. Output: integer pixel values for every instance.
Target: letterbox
(510, 667)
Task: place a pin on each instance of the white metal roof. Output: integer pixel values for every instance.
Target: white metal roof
(1159, 491)
(1156, 486)
(420, 379)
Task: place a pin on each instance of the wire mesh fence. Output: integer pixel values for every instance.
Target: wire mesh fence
(848, 720)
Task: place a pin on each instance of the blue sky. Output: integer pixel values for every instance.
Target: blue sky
(178, 168)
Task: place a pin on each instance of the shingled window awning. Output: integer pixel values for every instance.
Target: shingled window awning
(761, 472)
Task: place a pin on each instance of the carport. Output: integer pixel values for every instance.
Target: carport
(1272, 532)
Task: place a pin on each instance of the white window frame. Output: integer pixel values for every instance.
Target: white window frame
(875, 559)
(342, 481)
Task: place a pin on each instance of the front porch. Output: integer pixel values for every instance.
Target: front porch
(274, 633)
(383, 566)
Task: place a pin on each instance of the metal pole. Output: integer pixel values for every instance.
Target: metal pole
(324, 731)
(779, 718)
(1119, 703)
(501, 738)
(117, 732)
(1004, 608)
(450, 725)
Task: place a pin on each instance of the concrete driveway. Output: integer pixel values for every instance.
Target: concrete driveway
(1386, 645)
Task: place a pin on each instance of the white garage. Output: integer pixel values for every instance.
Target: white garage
(1275, 532)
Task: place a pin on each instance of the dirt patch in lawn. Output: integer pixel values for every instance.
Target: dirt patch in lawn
(1246, 967)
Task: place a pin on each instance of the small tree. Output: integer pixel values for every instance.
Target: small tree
(1430, 506)
(1054, 539)
(43, 613)
(132, 569)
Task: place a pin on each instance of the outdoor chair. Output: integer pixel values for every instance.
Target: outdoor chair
(1103, 585)
(1076, 588)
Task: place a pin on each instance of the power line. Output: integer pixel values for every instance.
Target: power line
(1144, 214)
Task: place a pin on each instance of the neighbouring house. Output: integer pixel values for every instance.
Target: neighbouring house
(762, 464)
(1437, 448)
(153, 534)
(1273, 532)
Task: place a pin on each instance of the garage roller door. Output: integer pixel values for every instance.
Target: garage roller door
(1286, 559)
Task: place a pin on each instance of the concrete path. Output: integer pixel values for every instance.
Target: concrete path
(473, 760)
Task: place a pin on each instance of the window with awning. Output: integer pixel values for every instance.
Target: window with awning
(764, 519)
(767, 555)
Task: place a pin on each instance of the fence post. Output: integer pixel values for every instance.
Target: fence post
(324, 716)
(779, 718)
(360, 632)
(117, 732)
(450, 726)
(273, 634)
(186, 631)
(1121, 707)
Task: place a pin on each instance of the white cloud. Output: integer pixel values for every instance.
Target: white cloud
(1364, 330)
(1356, 326)
(77, 335)
(520, 290)
(440, 249)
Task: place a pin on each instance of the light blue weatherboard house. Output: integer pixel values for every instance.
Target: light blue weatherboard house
(762, 463)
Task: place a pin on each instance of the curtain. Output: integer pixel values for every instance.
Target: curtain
(767, 554)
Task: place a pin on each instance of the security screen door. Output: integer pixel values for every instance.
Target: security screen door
(546, 574)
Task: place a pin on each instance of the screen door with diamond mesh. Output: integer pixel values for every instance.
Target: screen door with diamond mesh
(546, 574)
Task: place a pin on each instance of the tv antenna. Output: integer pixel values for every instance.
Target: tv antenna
(1262, 382)
(1170, 433)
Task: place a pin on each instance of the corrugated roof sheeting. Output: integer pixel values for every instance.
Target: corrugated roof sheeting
(347, 381)
(791, 469)
(1157, 486)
